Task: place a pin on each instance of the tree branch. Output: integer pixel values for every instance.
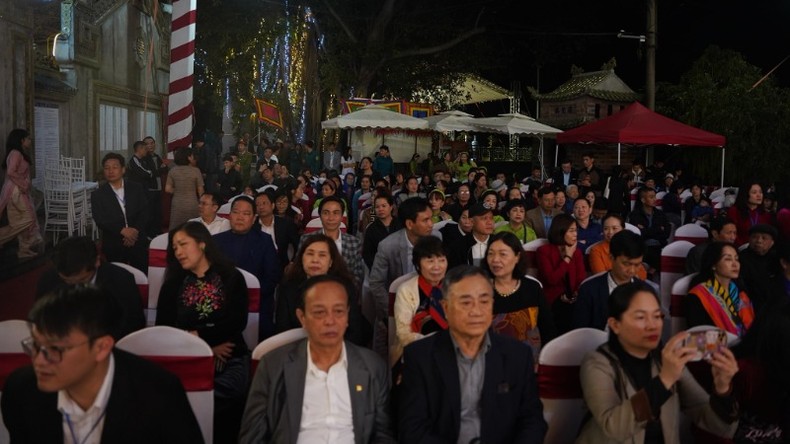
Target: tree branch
(438, 48)
(340, 21)
(382, 21)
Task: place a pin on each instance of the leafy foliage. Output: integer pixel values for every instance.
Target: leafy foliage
(716, 95)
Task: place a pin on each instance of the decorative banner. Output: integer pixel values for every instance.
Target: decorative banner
(269, 113)
(182, 67)
(419, 110)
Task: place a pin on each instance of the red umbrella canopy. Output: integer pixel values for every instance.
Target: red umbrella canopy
(639, 125)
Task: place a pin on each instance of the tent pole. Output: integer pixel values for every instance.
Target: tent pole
(556, 152)
(540, 153)
(618, 153)
(721, 184)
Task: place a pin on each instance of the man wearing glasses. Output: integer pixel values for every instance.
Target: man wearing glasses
(80, 389)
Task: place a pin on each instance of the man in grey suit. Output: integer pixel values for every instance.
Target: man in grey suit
(539, 219)
(393, 260)
(320, 389)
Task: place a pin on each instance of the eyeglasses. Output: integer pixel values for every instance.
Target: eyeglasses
(53, 354)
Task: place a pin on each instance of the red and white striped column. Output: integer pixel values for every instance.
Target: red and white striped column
(182, 68)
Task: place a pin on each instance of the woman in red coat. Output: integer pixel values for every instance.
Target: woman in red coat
(561, 269)
(748, 210)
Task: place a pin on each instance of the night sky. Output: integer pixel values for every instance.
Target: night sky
(560, 33)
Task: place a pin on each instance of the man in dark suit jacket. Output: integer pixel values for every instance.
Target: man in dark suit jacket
(498, 402)
(285, 232)
(77, 262)
(566, 175)
(591, 309)
(120, 210)
(471, 249)
(287, 377)
(76, 369)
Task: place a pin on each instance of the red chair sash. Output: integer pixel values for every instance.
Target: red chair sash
(10, 362)
(143, 289)
(195, 372)
(157, 258)
(673, 264)
(676, 306)
(254, 296)
(559, 382)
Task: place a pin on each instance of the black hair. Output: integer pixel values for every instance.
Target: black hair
(315, 280)
(216, 199)
(111, 156)
(456, 274)
(181, 156)
(14, 142)
(511, 241)
(243, 198)
(717, 224)
(742, 198)
(544, 191)
(331, 198)
(227, 158)
(559, 226)
(409, 209)
(75, 254)
(138, 144)
(85, 308)
(621, 297)
(614, 216)
(628, 244)
(426, 247)
(269, 193)
(710, 257)
(197, 231)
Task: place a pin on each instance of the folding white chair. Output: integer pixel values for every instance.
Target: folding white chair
(634, 196)
(673, 267)
(12, 356)
(315, 225)
(680, 290)
(182, 354)
(392, 337)
(530, 249)
(559, 386)
(633, 228)
(692, 233)
(253, 316)
(660, 199)
(141, 280)
(157, 262)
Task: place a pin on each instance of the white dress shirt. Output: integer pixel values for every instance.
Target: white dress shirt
(85, 427)
(479, 250)
(218, 225)
(326, 406)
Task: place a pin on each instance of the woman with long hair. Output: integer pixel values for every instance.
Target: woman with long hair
(462, 166)
(748, 210)
(717, 299)
(635, 389)
(561, 269)
(204, 294)
(185, 183)
(318, 255)
(520, 310)
(347, 162)
(15, 197)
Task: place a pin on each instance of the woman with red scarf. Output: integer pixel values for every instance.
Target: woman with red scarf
(418, 310)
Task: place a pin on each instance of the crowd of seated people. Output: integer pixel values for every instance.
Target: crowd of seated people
(450, 354)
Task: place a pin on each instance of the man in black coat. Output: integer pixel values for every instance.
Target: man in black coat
(283, 231)
(467, 384)
(81, 385)
(120, 209)
(77, 262)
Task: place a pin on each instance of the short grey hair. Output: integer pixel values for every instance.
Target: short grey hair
(456, 274)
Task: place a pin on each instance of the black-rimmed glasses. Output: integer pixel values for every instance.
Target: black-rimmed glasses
(52, 353)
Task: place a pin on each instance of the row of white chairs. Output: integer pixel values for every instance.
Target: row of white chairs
(67, 198)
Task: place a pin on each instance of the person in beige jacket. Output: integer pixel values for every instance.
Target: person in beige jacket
(635, 390)
(417, 310)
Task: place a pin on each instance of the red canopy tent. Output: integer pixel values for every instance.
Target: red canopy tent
(641, 126)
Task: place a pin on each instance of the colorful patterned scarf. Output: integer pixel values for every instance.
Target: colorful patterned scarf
(729, 308)
(430, 308)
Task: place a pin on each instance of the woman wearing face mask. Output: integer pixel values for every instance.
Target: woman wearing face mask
(318, 255)
(635, 389)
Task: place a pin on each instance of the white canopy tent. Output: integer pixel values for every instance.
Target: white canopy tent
(451, 121)
(375, 116)
(516, 124)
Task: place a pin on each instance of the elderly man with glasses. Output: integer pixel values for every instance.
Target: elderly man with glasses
(80, 389)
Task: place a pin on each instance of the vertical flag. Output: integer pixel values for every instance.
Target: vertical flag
(182, 68)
